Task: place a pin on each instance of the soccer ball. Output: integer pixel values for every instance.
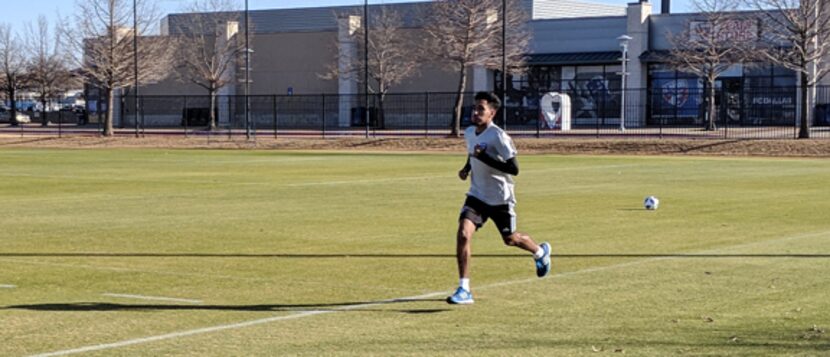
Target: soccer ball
(651, 203)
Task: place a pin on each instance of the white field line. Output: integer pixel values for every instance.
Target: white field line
(226, 327)
(298, 315)
(155, 298)
(7, 286)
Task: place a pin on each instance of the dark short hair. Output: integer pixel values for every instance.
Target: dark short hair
(491, 98)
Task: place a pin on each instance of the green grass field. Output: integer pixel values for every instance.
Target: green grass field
(284, 253)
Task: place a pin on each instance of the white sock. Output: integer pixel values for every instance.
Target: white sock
(464, 283)
(539, 253)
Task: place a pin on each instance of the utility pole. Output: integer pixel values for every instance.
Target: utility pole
(366, 63)
(135, 64)
(504, 62)
(248, 132)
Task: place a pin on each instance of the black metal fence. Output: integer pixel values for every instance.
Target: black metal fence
(750, 113)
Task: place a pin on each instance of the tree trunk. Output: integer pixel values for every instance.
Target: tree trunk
(108, 118)
(804, 131)
(212, 114)
(44, 120)
(459, 102)
(381, 110)
(13, 102)
(710, 105)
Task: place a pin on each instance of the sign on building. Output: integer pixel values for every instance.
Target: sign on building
(737, 30)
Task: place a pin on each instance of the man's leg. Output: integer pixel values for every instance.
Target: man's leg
(464, 246)
(521, 240)
(505, 219)
(541, 252)
(463, 252)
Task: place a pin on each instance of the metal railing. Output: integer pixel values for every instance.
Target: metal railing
(751, 113)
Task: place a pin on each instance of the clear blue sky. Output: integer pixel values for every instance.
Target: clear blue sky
(17, 13)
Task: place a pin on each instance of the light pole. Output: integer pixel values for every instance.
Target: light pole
(624, 47)
(135, 64)
(504, 62)
(366, 63)
(247, 76)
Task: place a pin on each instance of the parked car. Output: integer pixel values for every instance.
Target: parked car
(5, 116)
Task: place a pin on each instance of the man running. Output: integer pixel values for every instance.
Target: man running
(491, 163)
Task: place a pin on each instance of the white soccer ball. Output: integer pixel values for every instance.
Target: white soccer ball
(651, 203)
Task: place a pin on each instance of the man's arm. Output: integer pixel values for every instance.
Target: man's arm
(465, 171)
(511, 166)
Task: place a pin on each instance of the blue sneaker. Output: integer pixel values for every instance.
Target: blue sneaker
(543, 263)
(461, 296)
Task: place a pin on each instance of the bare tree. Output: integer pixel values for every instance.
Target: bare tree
(47, 71)
(210, 47)
(394, 56)
(796, 35)
(713, 41)
(467, 33)
(12, 67)
(104, 41)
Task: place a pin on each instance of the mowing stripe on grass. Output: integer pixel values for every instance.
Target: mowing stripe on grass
(243, 324)
(157, 298)
(7, 286)
(448, 175)
(367, 181)
(659, 258)
(130, 270)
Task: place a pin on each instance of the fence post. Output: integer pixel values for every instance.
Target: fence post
(723, 111)
(98, 114)
(651, 106)
(123, 109)
(184, 115)
(251, 120)
(602, 108)
(374, 127)
(596, 119)
(324, 115)
(725, 118)
(797, 116)
(60, 123)
(274, 114)
(539, 122)
(141, 109)
(230, 117)
(426, 114)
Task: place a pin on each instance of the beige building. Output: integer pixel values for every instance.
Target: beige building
(294, 49)
(574, 49)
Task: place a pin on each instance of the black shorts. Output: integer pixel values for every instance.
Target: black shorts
(478, 212)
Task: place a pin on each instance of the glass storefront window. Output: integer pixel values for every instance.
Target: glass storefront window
(764, 95)
(781, 71)
(784, 81)
(676, 97)
(594, 91)
(757, 70)
(736, 70)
